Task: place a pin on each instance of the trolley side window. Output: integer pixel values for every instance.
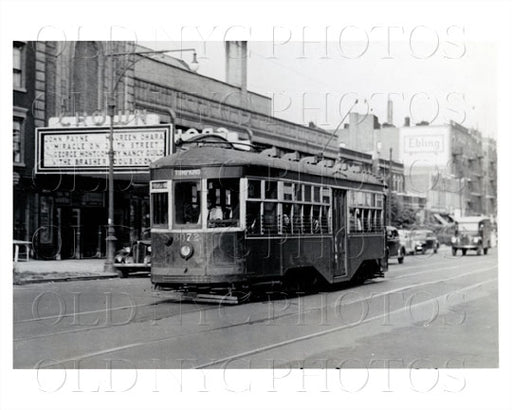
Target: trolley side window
(365, 211)
(187, 203)
(295, 209)
(160, 209)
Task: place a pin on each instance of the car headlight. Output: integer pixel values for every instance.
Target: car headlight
(476, 239)
(186, 251)
(454, 239)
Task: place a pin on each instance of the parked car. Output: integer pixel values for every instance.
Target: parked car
(425, 240)
(472, 233)
(393, 245)
(406, 240)
(445, 234)
(136, 257)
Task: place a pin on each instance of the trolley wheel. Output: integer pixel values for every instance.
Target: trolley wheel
(464, 252)
(299, 284)
(123, 273)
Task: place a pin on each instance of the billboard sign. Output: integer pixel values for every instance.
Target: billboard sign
(428, 146)
(85, 150)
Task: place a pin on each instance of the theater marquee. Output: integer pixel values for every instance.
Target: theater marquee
(85, 150)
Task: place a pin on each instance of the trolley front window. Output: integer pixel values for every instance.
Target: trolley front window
(160, 205)
(187, 203)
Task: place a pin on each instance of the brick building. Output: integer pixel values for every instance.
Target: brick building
(447, 169)
(452, 165)
(27, 75)
(64, 215)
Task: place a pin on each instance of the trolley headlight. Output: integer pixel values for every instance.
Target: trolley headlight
(186, 251)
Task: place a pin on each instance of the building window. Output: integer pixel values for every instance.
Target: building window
(17, 66)
(17, 140)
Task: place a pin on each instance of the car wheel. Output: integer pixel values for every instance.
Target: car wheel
(485, 251)
(464, 252)
(479, 251)
(454, 251)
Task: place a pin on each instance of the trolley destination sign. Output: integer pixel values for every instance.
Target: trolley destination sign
(85, 150)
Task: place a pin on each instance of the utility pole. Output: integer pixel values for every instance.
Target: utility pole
(111, 237)
(390, 179)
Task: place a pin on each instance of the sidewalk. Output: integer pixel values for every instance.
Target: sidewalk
(36, 271)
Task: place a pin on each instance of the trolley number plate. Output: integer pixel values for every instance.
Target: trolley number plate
(189, 237)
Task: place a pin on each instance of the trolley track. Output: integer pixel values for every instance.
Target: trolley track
(163, 299)
(278, 316)
(262, 349)
(149, 311)
(152, 314)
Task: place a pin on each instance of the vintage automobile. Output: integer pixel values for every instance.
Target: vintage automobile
(394, 247)
(134, 258)
(445, 233)
(406, 240)
(424, 240)
(472, 233)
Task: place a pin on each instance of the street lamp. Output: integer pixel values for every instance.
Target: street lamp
(111, 234)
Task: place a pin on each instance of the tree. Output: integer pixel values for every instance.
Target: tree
(400, 214)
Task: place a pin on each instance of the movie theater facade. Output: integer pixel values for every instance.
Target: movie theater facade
(62, 128)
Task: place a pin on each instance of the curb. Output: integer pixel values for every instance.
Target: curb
(20, 281)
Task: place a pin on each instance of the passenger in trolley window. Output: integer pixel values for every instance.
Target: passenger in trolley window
(191, 213)
(287, 227)
(214, 211)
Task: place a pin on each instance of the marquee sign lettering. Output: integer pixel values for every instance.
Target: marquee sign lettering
(85, 150)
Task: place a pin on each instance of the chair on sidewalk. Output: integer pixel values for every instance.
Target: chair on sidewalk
(25, 246)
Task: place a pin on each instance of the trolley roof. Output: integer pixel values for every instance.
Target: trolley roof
(215, 156)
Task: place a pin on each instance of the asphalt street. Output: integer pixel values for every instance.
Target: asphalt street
(434, 311)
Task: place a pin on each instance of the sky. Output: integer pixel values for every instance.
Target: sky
(435, 81)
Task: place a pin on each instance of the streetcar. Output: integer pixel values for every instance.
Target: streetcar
(225, 220)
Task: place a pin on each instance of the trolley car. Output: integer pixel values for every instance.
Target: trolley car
(225, 219)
